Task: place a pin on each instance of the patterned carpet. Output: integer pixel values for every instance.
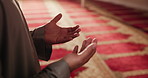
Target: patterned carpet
(122, 50)
(134, 17)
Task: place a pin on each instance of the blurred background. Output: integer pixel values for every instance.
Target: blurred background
(121, 27)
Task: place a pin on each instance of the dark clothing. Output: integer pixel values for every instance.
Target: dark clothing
(20, 50)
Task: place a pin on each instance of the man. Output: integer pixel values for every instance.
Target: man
(20, 50)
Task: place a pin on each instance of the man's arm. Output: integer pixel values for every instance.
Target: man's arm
(43, 49)
(59, 69)
(50, 34)
(70, 62)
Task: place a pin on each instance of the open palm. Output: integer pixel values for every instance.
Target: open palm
(55, 34)
(78, 58)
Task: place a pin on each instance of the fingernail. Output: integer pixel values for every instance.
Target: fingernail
(60, 14)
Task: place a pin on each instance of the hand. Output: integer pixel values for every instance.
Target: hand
(77, 59)
(55, 34)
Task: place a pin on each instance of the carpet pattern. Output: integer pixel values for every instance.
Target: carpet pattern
(122, 50)
(134, 17)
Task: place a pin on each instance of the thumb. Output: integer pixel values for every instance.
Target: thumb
(75, 50)
(57, 18)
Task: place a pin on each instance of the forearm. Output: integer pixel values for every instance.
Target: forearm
(59, 69)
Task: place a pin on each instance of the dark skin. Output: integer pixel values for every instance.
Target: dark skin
(55, 34)
(78, 58)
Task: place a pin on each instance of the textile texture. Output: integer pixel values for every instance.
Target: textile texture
(122, 50)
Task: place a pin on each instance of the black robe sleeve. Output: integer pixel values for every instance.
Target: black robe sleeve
(59, 69)
(1, 28)
(43, 49)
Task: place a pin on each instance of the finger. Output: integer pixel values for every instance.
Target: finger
(73, 28)
(76, 31)
(57, 18)
(89, 57)
(75, 50)
(87, 42)
(74, 35)
(83, 45)
(89, 51)
(94, 40)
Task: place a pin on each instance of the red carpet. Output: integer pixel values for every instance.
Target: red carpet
(35, 11)
(121, 64)
(126, 14)
(109, 36)
(140, 76)
(121, 47)
(38, 12)
(129, 63)
(98, 28)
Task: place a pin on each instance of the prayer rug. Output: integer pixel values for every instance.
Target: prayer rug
(121, 51)
(134, 17)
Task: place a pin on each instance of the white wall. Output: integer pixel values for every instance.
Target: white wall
(140, 4)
